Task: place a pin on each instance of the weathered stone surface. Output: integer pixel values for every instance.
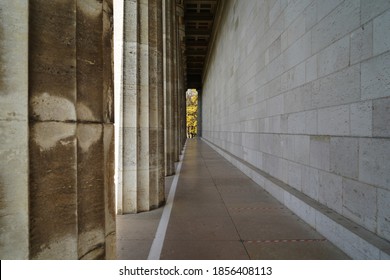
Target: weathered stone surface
(361, 43)
(330, 191)
(14, 190)
(14, 220)
(344, 156)
(375, 74)
(381, 117)
(360, 203)
(361, 118)
(53, 191)
(52, 60)
(108, 63)
(89, 35)
(109, 191)
(330, 64)
(142, 185)
(374, 161)
(71, 85)
(381, 42)
(320, 152)
(90, 191)
(384, 213)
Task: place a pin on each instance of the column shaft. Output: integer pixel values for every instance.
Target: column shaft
(71, 138)
(143, 118)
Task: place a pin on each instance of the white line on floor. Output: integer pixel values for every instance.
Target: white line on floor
(155, 250)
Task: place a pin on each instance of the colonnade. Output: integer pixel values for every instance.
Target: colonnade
(152, 102)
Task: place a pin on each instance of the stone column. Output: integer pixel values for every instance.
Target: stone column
(168, 88)
(181, 79)
(71, 130)
(14, 241)
(142, 186)
(175, 88)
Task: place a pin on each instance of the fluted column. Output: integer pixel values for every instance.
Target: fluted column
(175, 85)
(168, 88)
(182, 68)
(71, 141)
(142, 179)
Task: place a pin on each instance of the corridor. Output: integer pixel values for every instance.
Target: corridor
(219, 213)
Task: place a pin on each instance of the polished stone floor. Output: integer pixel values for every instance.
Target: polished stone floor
(219, 213)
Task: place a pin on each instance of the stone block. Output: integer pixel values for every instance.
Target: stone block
(300, 99)
(344, 156)
(335, 25)
(320, 152)
(361, 119)
(360, 203)
(89, 61)
(90, 191)
(330, 191)
(275, 105)
(371, 9)
(381, 117)
(375, 77)
(334, 120)
(381, 41)
(338, 88)
(310, 15)
(295, 175)
(325, 7)
(274, 124)
(302, 149)
(53, 191)
(14, 221)
(361, 43)
(296, 29)
(296, 123)
(311, 122)
(297, 76)
(14, 76)
(298, 52)
(293, 10)
(334, 57)
(287, 143)
(374, 162)
(310, 182)
(384, 213)
(275, 49)
(52, 60)
(311, 68)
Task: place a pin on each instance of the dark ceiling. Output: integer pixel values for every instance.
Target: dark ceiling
(199, 18)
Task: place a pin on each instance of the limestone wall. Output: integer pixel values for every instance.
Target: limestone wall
(300, 90)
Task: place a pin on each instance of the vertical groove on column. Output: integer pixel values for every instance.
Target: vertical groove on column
(130, 107)
(143, 161)
(168, 89)
(108, 131)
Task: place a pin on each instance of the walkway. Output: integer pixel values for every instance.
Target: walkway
(219, 213)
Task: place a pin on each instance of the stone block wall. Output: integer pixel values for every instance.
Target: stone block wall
(300, 90)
